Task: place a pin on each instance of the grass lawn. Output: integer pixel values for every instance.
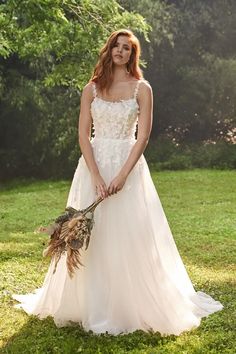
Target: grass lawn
(200, 207)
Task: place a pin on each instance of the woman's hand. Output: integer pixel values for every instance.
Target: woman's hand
(100, 185)
(116, 184)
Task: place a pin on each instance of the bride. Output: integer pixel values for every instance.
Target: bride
(133, 276)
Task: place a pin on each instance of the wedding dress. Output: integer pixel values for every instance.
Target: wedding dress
(133, 276)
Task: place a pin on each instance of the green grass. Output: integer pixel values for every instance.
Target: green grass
(200, 207)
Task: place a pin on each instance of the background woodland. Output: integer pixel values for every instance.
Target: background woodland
(48, 49)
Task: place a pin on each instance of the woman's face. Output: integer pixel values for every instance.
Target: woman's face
(122, 50)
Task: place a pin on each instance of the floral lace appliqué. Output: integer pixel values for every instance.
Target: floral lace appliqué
(115, 120)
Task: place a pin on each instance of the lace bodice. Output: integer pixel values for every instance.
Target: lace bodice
(115, 120)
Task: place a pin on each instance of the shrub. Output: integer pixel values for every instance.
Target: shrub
(164, 154)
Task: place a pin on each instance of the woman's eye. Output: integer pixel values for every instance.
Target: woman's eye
(117, 45)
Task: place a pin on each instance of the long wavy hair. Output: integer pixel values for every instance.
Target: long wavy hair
(103, 71)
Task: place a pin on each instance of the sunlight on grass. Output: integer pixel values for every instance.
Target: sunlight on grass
(199, 206)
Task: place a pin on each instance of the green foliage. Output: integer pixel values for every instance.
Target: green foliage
(159, 16)
(48, 50)
(61, 39)
(199, 205)
(164, 154)
(192, 67)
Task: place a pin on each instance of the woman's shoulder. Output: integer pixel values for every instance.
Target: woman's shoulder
(145, 86)
(88, 89)
(144, 82)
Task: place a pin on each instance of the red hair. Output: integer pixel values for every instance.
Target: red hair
(103, 71)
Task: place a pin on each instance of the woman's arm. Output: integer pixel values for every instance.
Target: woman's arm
(145, 99)
(84, 133)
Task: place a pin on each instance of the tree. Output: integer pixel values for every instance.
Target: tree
(48, 49)
(191, 67)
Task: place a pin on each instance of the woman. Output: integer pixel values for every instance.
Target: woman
(133, 276)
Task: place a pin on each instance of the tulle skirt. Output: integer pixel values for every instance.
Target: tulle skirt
(133, 276)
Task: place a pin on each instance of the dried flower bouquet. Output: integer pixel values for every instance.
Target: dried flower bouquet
(69, 233)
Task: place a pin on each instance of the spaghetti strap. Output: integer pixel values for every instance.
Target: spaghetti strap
(136, 88)
(94, 89)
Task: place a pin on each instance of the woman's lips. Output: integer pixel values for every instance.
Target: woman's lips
(119, 56)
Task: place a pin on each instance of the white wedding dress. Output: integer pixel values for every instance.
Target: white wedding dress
(133, 276)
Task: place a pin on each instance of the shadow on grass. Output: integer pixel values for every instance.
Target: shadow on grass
(29, 248)
(216, 332)
(10, 255)
(214, 335)
(42, 336)
(32, 184)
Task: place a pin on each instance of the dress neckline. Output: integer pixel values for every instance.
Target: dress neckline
(134, 98)
(120, 101)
